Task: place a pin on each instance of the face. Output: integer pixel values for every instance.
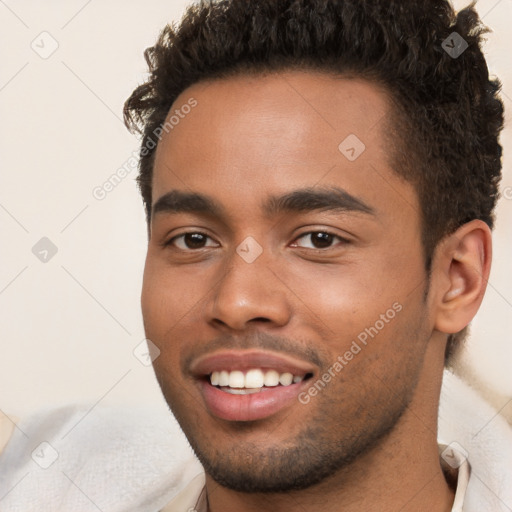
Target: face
(284, 284)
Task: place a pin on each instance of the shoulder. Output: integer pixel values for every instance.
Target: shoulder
(484, 436)
(85, 458)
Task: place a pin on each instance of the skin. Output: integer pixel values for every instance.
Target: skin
(374, 425)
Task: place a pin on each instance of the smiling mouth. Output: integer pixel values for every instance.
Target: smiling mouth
(250, 385)
(255, 380)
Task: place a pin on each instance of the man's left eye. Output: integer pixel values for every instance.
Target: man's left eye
(319, 240)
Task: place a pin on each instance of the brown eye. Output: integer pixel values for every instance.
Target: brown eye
(318, 240)
(191, 241)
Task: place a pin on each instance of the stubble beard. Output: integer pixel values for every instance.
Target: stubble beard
(328, 445)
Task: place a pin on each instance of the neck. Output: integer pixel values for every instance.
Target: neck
(402, 473)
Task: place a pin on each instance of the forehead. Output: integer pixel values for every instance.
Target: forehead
(279, 109)
(251, 136)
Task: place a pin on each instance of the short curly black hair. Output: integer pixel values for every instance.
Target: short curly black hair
(447, 112)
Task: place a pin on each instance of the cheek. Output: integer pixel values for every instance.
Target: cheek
(344, 299)
(170, 296)
(363, 314)
(163, 307)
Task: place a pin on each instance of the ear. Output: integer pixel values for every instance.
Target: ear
(461, 266)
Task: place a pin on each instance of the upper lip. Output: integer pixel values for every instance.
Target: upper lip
(230, 360)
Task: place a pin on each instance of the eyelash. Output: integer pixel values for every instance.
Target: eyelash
(170, 242)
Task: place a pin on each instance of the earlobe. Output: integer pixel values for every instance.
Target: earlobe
(463, 262)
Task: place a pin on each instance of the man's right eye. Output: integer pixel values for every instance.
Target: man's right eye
(190, 241)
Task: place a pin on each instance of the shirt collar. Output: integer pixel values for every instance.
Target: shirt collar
(454, 462)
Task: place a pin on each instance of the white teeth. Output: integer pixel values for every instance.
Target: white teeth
(254, 379)
(235, 391)
(285, 379)
(271, 378)
(223, 378)
(236, 380)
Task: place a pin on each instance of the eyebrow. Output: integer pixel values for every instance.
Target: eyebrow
(303, 200)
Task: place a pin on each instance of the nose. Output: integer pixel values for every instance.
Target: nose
(247, 294)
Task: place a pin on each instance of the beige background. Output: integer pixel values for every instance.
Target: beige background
(69, 326)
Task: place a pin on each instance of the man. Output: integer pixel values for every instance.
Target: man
(319, 179)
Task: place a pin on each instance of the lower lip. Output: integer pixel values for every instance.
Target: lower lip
(251, 407)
